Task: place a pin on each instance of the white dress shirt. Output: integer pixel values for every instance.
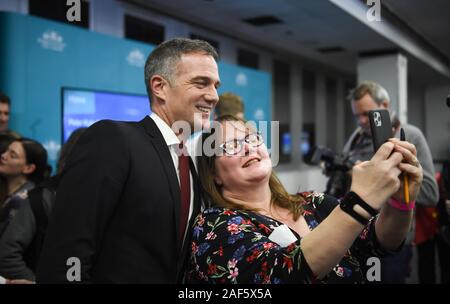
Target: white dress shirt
(172, 142)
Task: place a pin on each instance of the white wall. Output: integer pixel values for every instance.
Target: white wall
(340, 115)
(305, 178)
(320, 115)
(296, 110)
(416, 105)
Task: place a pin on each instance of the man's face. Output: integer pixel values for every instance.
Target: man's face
(193, 93)
(4, 116)
(361, 110)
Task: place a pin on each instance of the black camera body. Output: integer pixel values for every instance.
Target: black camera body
(331, 160)
(335, 166)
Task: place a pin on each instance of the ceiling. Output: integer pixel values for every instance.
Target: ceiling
(430, 19)
(310, 25)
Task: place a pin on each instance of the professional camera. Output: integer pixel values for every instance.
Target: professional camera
(335, 166)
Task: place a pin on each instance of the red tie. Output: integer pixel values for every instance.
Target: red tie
(185, 189)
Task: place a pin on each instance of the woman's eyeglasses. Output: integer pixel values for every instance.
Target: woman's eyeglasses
(234, 146)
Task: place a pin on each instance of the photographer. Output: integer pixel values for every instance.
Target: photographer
(369, 96)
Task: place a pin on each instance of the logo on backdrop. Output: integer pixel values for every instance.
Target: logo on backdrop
(241, 80)
(259, 114)
(51, 40)
(214, 140)
(136, 58)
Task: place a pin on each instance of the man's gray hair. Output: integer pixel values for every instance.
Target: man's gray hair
(375, 90)
(163, 60)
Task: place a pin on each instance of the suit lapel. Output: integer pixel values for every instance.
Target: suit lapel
(166, 159)
(164, 155)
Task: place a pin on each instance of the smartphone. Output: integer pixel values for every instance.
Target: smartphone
(380, 126)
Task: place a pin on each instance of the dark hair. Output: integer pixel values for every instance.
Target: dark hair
(67, 148)
(5, 141)
(5, 99)
(163, 59)
(213, 193)
(35, 154)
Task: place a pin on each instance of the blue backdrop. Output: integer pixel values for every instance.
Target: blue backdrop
(38, 57)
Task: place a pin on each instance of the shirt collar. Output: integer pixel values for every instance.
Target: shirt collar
(169, 136)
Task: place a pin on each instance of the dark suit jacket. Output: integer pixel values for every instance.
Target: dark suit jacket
(117, 209)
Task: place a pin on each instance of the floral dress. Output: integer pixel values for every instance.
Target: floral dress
(233, 246)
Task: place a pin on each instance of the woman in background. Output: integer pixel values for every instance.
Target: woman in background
(21, 244)
(22, 165)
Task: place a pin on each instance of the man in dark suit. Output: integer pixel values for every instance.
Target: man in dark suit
(119, 215)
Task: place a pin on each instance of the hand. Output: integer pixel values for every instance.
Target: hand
(19, 282)
(411, 166)
(351, 169)
(376, 180)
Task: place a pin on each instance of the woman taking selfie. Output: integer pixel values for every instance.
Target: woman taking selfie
(255, 232)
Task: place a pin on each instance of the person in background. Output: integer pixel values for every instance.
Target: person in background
(23, 166)
(230, 104)
(21, 243)
(5, 105)
(5, 141)
(6, 137)
(255, 232)
(369, 95)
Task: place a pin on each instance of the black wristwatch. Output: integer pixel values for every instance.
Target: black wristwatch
(351, 199)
